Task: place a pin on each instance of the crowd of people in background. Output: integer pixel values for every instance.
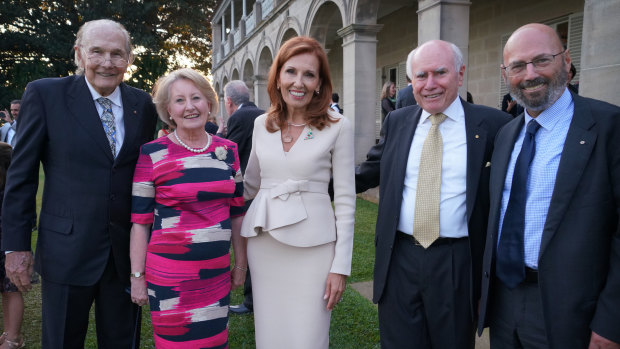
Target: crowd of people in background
(504, 218)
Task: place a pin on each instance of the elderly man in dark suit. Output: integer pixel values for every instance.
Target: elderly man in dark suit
(83, 244)
(552, 257)
(240, 127)
(432, 165)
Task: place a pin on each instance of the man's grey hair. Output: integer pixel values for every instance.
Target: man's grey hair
(456, 53)
(83, 36)
(237, 91)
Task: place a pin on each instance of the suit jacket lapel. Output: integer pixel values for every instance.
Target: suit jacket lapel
(131, 119)
(499, 166)
(578, 146)
(85, 113)
(476, 144)
(405, 130)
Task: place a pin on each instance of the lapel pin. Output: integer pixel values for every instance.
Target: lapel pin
(477, 136)
(488, 164)
(135, 112)
(582, 142)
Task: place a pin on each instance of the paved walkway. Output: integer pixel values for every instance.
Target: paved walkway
(365, 289)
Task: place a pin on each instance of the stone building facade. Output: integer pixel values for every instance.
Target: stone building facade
(367, 42)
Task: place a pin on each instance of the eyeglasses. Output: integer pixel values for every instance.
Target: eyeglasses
(99, 58)
(539, 64)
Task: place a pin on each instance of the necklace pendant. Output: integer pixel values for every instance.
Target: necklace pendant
(287, 139)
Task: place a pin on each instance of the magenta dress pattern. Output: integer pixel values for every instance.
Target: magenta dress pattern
(189, 198)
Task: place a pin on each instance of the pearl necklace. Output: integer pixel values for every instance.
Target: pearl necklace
(193, 150)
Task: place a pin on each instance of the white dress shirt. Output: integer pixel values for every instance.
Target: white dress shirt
(452, 209)
(117, 110)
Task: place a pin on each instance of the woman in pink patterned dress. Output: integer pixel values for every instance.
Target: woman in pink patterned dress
(188, 189)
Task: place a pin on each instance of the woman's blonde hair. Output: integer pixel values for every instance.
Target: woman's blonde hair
(161, 92)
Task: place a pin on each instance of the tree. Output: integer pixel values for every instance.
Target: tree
(37, 37)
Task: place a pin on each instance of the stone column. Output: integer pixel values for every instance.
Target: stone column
(446, 20)
(600, 61)
(224, 26)
(359, 56)
(216, 33)
(261, 97)
(258, 13)
(232, 16)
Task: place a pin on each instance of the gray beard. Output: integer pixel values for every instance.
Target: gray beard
(555, 89)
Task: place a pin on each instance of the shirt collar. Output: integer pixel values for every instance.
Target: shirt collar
(114, 97)
(454, 111)
(558, 110)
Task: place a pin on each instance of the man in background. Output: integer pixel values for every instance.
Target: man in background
(405, 96)
(8, 130)
(240, 127)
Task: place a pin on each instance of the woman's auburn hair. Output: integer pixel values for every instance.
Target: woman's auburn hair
(316, 114)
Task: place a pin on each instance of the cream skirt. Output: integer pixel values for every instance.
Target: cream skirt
(288, 284)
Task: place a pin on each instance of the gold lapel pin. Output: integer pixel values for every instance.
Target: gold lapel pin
(477, 136)
(582, 142)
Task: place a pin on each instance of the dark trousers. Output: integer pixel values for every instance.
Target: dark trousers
(516, 319)
(426, 301)
(66, 310)
(248, 300)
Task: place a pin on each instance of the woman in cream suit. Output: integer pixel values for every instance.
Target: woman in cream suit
(299, 247)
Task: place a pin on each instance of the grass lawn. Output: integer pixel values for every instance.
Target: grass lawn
(354, 320)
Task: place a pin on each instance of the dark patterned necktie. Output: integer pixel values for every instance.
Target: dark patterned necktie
(510, 254)
(107, 119)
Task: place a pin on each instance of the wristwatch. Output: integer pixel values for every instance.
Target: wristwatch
(137, 274)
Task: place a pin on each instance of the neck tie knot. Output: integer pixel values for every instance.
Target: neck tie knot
(105, 103)
(437, 119)
(532, 127)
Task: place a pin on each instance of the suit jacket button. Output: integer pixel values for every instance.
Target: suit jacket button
(113, 197)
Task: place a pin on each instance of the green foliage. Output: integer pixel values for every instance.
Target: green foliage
(37, 37)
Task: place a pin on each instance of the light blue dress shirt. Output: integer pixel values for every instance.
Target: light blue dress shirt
(554, 122)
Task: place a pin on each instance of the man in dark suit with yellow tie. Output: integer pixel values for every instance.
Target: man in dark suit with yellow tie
(432, 164)
(551, 276)
(86, 130)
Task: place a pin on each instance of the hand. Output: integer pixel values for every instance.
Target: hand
(139, 293)
(598, 342)
(18, 268)
(237, 277)
(511, 104)
(334, 289)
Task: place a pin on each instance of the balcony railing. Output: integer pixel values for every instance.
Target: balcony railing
(267, 7)
(237, 37)
(250, 23)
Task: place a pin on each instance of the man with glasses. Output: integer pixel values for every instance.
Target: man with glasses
(551, 270)
(86, 130)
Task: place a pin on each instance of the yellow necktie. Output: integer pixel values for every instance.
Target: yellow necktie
(426, 220)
